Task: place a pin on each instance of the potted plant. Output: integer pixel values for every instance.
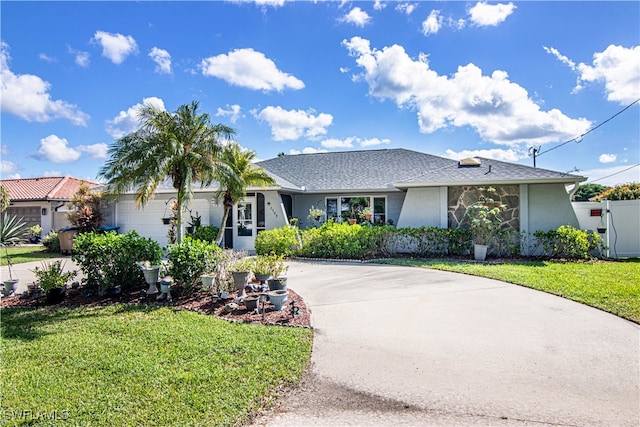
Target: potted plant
(278, 270)
(53, 280)
(241, 273)
(196, 221)
(315, 214)
(367, 213)
(261, 268)
(484, 221)
(34, 232)
(278, 298)
(208, 278)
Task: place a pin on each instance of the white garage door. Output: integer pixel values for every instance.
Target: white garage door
(147, 221)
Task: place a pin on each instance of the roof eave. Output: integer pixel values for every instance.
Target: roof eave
(568, 180)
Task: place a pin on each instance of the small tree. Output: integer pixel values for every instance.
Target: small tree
(484, 216)
(87, 215)
(588, 191)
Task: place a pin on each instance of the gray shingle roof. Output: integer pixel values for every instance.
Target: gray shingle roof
(391, 169)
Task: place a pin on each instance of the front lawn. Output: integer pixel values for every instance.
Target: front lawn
(132, 365)
(610, 286)
(20, 254)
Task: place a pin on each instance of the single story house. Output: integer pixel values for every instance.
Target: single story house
(43, 200)
(401, 187)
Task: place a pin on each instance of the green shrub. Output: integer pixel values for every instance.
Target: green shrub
(568, 242)
(339, 240)
(51, 242)
(621, 192)
(189, 259)
(52, 275)
(206, 233)
(279, 241)
(109, 259)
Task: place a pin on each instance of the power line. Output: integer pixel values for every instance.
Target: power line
(579, 137)
(613, 174)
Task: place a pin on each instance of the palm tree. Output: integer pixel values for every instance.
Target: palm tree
(234, 174)
(183, 146)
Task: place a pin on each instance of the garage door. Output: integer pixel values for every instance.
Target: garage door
(147, 221)
(30, 214)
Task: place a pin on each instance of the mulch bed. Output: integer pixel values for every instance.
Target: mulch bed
(200, 301)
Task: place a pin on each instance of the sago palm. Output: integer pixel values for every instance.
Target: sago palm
(234, 174)
(182, 147)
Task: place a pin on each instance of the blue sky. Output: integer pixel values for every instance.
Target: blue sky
(453, 79)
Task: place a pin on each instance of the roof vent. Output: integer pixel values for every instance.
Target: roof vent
(469, 162)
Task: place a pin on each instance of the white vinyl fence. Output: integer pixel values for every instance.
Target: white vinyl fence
(618, 223)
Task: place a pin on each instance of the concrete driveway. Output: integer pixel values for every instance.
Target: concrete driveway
(408, 346)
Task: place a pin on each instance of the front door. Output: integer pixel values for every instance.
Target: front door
(244, 224)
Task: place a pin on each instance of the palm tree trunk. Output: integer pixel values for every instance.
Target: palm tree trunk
(227, 209)
(179, 231)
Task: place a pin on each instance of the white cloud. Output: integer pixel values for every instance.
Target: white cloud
(308, 150)
(566, 61)
(128, 121)
(7, 168)
(53, 173)
(47, 58)
(115, 47)
(378, 5)
(251, 69)
(4, 149)
(27, 96)
(272, 3)
(407, 8)
(357, 17)
(294, 124)
(234, 112)
(499, 110)
(162, 58)
(619, 68)
(372, 142)
(432, 24)
(483, 14)
(95, 151)
(613, 175)
(509, 155)
(81, 58)
(607, 158)
(338, 143)
(56, 150)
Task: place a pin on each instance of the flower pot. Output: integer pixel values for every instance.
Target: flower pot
(480, 252)
(278, 298)
(189, 229)
(207, 281)
(55, 295)
(9, 286)
(262, 278)
(352, 221)
(277, 284)
(241, 280)
(251, 302)
(602, 230)
(166, 221)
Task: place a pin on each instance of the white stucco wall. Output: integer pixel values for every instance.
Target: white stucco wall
(548, 208)
(424, 207)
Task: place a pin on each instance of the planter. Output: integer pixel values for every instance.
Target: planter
(602, 230)
(251, 302)
(480, 252)
(352, 221)
(165, 289)
(55, 295)
(262, 278)
(207, 281)
(241, 280)
(9, 286)
(151, 275)
(35, 239)
(113, 291)
(190, 229)
(166, 221)
(277, 284)
(278, 298)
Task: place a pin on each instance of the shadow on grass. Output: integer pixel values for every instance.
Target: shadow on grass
(27, 324)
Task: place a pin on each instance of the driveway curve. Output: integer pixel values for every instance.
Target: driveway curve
(408, 346)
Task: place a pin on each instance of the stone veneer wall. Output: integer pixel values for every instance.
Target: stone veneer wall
(460, 198)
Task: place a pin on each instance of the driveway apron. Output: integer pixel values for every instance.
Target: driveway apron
(409, 346)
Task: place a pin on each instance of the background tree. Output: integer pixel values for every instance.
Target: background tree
(234, 174)
(87, 215)
(621, 192)
(182, 147)
(5, 201)
(587, 191)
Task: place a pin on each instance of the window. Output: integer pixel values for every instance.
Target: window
(343, 208)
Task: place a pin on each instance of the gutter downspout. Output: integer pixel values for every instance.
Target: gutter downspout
(573, 190)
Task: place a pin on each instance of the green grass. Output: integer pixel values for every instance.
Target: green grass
(609, 286)
(20, 254)
(129, 365)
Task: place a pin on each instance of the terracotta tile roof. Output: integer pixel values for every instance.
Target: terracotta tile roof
(45, 188)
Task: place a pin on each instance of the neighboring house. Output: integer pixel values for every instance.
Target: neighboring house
(43, 200)
(403, 187)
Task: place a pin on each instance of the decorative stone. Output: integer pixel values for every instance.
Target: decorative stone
(231, 307)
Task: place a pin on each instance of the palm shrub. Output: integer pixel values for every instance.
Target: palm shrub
(109, 259)
(190, 259)
(12, 230)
